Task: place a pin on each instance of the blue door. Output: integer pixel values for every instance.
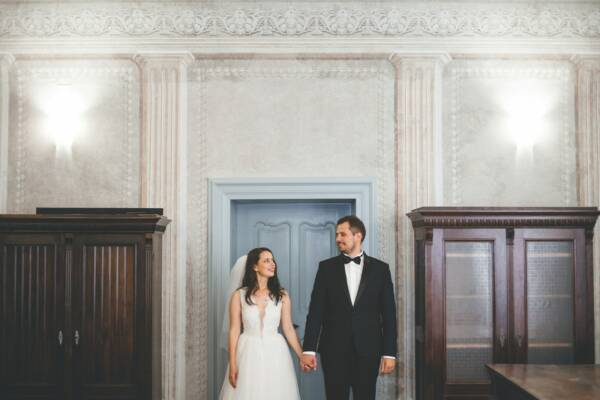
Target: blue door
(300, 234)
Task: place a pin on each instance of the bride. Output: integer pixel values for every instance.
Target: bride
(260, 365)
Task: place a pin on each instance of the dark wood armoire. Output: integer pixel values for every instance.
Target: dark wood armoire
(499, 285)
(80, 304)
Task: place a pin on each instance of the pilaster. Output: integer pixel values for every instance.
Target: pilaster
(163, 184)
(6, 60)
(588, 158)
(418, 96)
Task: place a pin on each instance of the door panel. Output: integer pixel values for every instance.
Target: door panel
(549, 271)
(300, 233)
(317, 242)
(277, 236)
(31, 317)
(474, 309)
(107, 283)
(469, 311)
(550, 324)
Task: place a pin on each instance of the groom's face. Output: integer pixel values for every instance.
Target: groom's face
(346, 240)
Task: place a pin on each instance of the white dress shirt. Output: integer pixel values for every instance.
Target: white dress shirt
(353, 274)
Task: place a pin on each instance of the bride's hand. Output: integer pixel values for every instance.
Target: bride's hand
(233, 375)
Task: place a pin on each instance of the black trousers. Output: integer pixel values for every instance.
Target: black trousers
(349, 370)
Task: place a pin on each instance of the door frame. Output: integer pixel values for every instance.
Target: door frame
(223, 191)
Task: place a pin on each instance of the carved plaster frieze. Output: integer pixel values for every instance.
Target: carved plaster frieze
(404, 19)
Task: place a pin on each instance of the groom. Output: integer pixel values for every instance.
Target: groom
(351, 319)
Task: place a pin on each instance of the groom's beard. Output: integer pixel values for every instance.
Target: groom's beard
(345, 247)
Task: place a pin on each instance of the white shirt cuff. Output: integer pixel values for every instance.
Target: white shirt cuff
(312, 353)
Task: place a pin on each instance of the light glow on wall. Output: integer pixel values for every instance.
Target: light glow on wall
(63, 107)
(526, 105)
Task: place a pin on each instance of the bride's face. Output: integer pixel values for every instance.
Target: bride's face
(265, 265)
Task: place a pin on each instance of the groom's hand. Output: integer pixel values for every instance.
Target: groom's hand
(387, 365)
(308, 362)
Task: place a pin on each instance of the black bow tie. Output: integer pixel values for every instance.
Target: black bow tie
(355, 260)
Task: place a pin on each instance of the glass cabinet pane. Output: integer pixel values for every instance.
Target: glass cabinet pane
(550, 302)
(469, 312)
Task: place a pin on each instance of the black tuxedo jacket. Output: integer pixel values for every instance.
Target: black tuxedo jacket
(332, 323)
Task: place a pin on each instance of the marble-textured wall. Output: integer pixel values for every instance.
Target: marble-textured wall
(101, 169)
(264, 118)
(281, 105)
(490, 108)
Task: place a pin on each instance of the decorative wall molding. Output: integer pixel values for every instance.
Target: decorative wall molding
(418, 136)
(409, 19)
(164, 149)
(5, 63)
(588, 155)
(25, 135)
(460, 132)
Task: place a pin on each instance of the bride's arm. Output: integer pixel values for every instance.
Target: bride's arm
(288, 327)
(235, 324)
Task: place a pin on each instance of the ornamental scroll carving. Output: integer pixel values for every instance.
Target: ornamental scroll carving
(407, 19)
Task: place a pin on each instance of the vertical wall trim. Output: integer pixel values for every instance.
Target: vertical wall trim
(588, 159)
(418, 101)
(163, 184)
(6, 61)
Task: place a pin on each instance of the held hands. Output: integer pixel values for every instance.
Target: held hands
(233, 375)
(308, 362)
(387, 365)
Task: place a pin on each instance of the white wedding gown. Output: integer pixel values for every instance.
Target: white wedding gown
(265, 367)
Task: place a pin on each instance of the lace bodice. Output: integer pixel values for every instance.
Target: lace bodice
(255, 324)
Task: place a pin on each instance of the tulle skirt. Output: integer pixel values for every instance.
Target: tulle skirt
(265, 370)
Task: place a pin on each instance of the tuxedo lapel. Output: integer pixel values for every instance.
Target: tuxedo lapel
(341, 277)
(364, 278)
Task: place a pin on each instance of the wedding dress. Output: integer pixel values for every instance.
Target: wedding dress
(265, 366)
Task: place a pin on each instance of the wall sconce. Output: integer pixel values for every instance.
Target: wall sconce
(63, 107)
(526, 103)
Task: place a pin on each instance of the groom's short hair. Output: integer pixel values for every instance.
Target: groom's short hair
(356, 225)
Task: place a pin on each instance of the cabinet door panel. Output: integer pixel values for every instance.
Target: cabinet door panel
(550, 326)
(549, 296)
(469, 310)
(31, 317)
(475, 307)
(107, 280)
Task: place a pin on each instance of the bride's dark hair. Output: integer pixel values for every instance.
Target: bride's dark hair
(251, 282)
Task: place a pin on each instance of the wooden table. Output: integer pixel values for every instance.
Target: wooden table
(545, 382)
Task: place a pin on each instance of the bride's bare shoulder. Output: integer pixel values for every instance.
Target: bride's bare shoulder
(237, 294)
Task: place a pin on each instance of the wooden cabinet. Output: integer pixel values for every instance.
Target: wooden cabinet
(80, 304)
(499, 285)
